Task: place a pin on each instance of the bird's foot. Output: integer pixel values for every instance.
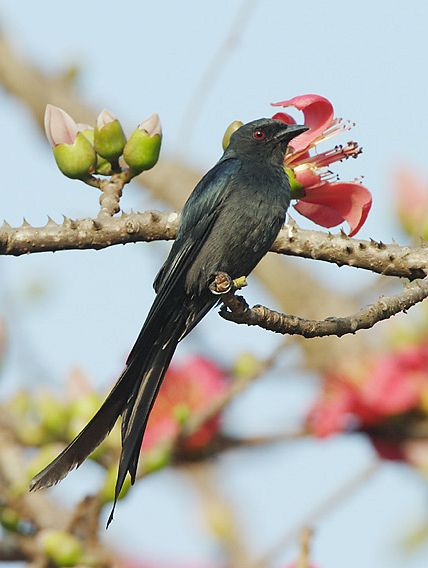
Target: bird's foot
(223, 284)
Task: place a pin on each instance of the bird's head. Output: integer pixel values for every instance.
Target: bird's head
(264, 139)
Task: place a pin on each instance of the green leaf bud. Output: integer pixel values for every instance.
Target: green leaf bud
(103, 166)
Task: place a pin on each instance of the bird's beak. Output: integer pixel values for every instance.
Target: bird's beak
(291, 131)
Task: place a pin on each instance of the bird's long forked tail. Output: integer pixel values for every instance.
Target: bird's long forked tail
(132, 397)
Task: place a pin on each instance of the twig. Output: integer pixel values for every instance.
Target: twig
(239, 385)
(212, 73)
(236, 309)
(12, 550)
(38, 508)
(323, 509)
(220, 516)
(223, 442)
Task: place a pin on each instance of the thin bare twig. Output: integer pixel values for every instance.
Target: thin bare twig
(323, 509)
(239, 385)
(211, 74)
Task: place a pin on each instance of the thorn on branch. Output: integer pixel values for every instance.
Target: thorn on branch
(237, 310)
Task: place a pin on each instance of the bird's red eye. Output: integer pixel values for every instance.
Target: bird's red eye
(259, 134)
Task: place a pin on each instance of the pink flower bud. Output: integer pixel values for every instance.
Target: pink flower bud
(142, 149)
(60, 128)
(151, 125)
(104, 118)
(82, 127)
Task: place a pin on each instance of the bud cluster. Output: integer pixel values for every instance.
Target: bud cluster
(81, 150)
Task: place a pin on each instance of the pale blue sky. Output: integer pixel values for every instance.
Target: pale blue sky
(370, 59)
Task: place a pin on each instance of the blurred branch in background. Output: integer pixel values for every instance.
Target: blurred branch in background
(319, 512)
(211, 74)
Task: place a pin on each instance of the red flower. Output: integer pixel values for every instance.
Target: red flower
(396, 383)
(333, 412)
(392, 385)
(327, 203)
(187, 388)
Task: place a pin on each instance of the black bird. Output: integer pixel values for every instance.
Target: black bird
(228, 224)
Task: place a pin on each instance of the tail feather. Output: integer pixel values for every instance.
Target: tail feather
(141, 403)
(93, 433)
(132, 397)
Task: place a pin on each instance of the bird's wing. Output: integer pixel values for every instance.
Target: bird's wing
(198, 215)
(197, 218)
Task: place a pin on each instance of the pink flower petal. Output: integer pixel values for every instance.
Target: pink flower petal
(396, 382)
(331, 415)
(151, 125)
(333, 203)
(105, 117)
(318, 112)
(319, 214)
(308, 179)
(60, 128)
(284, 117)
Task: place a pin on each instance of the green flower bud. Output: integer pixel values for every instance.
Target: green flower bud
(246, 365)
(53, 414)
(142, 149)
(9, 519)
(61, 548)
(103, 166)
(109, 138)
(107, 491)
(233, 127)
(75, 160)
(31, 433)
(297, 189)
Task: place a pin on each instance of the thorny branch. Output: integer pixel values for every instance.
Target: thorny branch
(387, 259)
(237, 310)
(107, 230)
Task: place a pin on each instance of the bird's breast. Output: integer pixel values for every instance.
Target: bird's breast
(245, 229)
